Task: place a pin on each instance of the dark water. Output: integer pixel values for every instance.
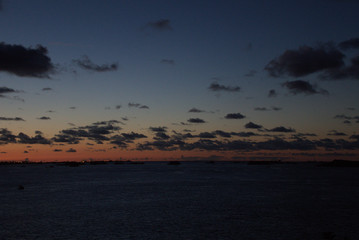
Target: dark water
(188, 201)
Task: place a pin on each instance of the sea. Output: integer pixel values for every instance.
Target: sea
(187, 200)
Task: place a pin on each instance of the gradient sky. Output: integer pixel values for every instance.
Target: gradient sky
(190, 80)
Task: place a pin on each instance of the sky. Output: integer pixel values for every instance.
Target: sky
(179, 80)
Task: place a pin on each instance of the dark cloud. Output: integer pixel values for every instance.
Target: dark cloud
(44, 118)
(336, 133)
(223, 133)
(206, 135)
(160, 25)
(25, 62)
(272, 93)
(168, 61)
(125, 138)
(349, 44)
(137, 105)
(217, 87)
(338, 144)
(276, 108)
(281, 129)
(7, 90)
(252, 125)
(6, 136)
(97, 132)
(129, 137)
(347, 72)
(305, 60)
(47, 89)
(234, 116)
(161, 136)
(244, 134)
(38, 139)
(196, 120)
(66, 138)
(71, 150)
(158, 129)
(304, 135)
(261, 109)
(87, 64)
(11, 119)
(281, 144)
(300, 86)
(347, 118)
(195, 110)
(342, 116)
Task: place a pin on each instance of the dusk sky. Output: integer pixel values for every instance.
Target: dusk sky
(186, 80)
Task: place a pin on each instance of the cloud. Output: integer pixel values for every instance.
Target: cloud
(129, 137)
(300, 86)
(7, 90)
(217, 87)
(66, 138)
(87, 64)
(6, 136)
(44, 118)
(168, 61)
(244, 134)
(206, 135)
(118, 106)
(161, 136)
(281, 129)
(223, 133)
(281, 144)
(346, 72)
(261, 109)
(196, 120)
(71, 150)
(160, 25)
(122, 140)
(25, 62)
(47, 89)
(252, 125)
(305, 60)
(158, 129)
(272, 93)
(137, 105)
(234, 116)
(97, 132)
(347, 118)
(38, 139)
(336, 133)
(195, 110)
(276, 108)
(349, 44)
(11, 119)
